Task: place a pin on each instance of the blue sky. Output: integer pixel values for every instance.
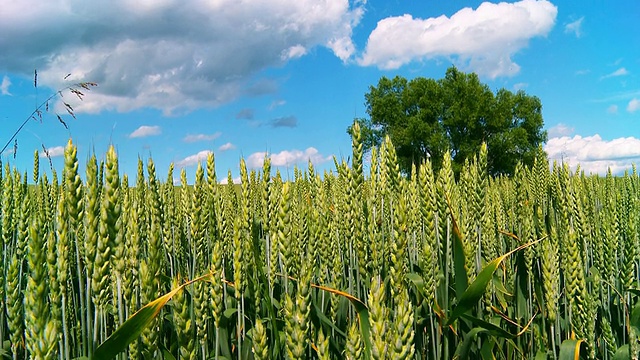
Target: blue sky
(177, 79)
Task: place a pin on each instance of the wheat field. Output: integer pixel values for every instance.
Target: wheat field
(359, 263)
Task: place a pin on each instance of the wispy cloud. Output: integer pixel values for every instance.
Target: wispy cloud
(483, 40)
(288, 158)
(613, 109)
(286, 121)
(226, 147)
(201, 137)
(594, 154)
(145, 131)
(245, 114)
(620, 72)
(574, 27)
(520, 86)
(276, 103)
(194, 159)
(619, 96)
(560, 130)
(4, 86)
(53, 151)
(633, 105)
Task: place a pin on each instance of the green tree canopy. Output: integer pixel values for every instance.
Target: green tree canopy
(426, 117)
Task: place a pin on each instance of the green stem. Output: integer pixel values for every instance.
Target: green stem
(65, 331)
(83, 320)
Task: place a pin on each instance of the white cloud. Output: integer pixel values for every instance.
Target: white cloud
(594, 154)
(633, 105)
(201, 137)
(293, 52)
(560, 130)
(619, 96)
(613, 109)
(4, 87)
(170, 55)
(617, 62)
(288, 158)
(274, 104)
(483, 40)
(620, 72)
(574, 27)
(54, 151)
(520, 86)
(226, 147)
(236, 180)
(342, 47)
(144, 131)
(194, 159)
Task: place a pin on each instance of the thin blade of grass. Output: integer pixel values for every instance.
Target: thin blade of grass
(570, 349)
(262, 276)
(464, 348)
(133, 327)
(315, 311)
(461, 276)
(361, 309)
(363, 315)
(622, 353)
(476, 290)
(418, 282)
(494, 330)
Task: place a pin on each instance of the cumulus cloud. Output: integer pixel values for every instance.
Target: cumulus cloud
(620, 72)
(633, 105)
(144, 131)
(236, 180)
(342, 47)
(194, 159)
(201, 137)
(484, 39)
(288, 158)
(286, 121)
(53, 151)
(574, 27)
(293, 52)
(226, 147)
(594, 154)
(4, 86)
(560, 130)
(170, 55)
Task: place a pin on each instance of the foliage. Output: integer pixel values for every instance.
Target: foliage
(426, 117)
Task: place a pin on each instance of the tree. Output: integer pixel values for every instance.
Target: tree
(426, 117)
